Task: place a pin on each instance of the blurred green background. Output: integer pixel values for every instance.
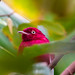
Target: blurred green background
(57, 11)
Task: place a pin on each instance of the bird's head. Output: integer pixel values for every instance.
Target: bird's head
(31, 33)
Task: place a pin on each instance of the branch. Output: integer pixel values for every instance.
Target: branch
(69, 70)
(55, 61)
(7, 15)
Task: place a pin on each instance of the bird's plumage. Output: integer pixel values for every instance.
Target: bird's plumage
(31, 36)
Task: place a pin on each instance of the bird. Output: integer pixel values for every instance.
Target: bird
(32, 36)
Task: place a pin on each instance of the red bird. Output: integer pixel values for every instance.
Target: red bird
(31, 36)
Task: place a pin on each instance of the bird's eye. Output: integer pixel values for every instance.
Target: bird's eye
(33, 32)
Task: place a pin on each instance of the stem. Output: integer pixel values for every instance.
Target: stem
(55, 61)
(7, 11)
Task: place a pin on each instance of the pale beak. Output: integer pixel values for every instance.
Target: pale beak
(22, 32)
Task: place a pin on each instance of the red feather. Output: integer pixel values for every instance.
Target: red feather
(31, 36)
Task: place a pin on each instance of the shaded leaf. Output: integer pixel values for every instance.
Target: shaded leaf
(56, 47)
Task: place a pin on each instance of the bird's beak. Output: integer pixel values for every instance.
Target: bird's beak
(22, 32)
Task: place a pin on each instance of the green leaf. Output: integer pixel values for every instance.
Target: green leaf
(17, 64)
(56, 47)
(6, 31)
(5, 43)
(14, 38)
(25, 25)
